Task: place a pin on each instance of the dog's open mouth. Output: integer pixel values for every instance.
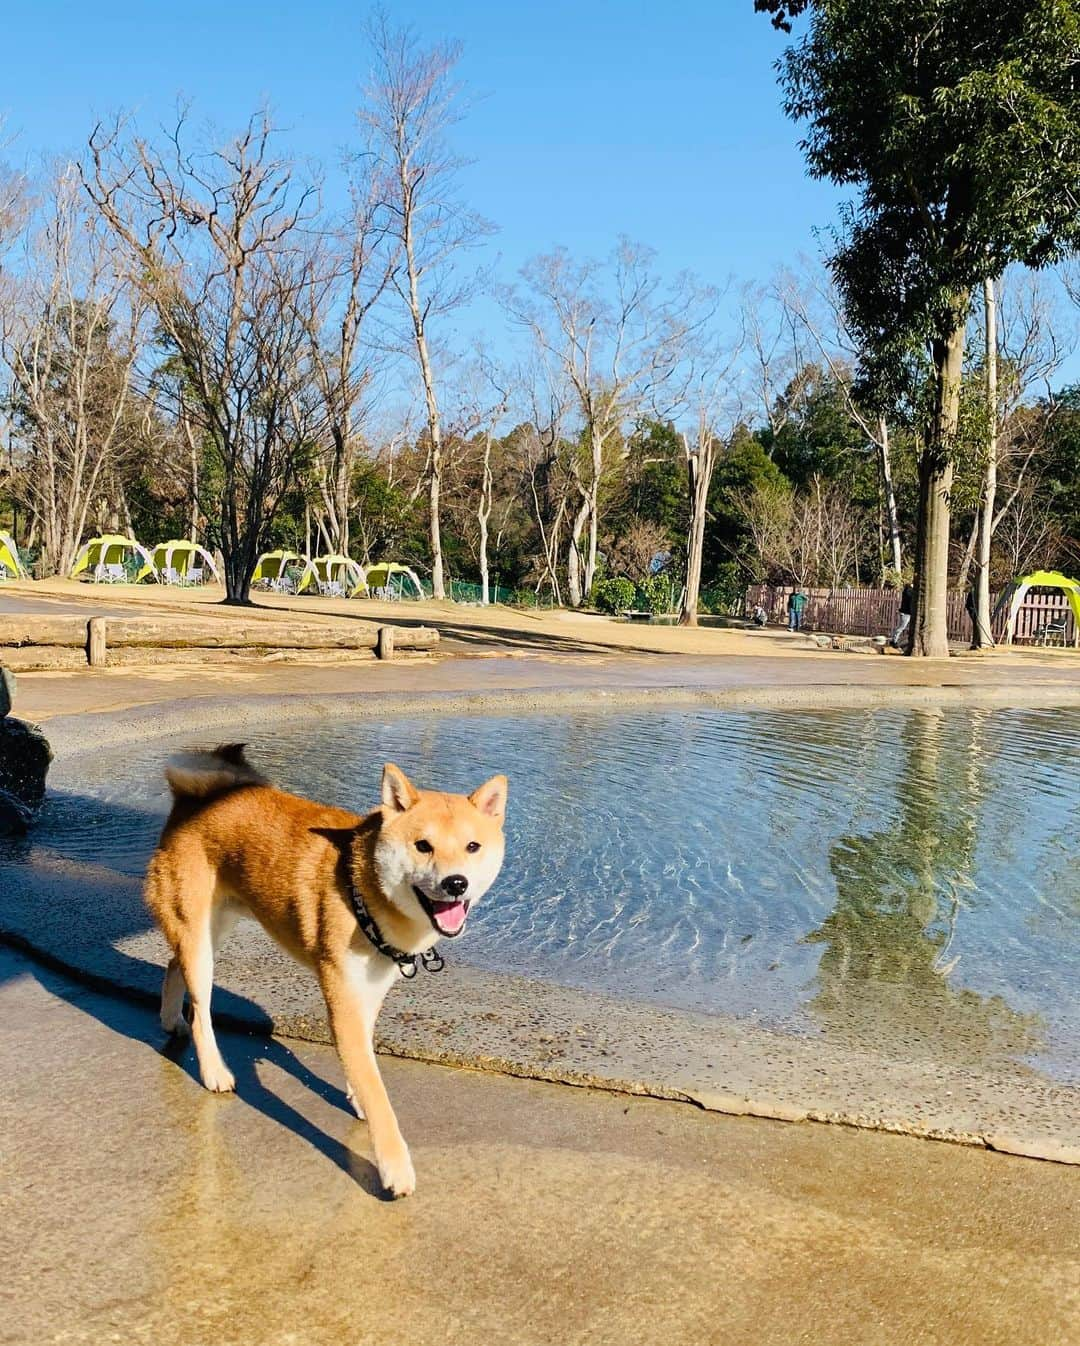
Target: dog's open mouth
(447, 917)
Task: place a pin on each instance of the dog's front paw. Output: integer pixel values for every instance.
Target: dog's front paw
(397, 1173)
(219, 1079)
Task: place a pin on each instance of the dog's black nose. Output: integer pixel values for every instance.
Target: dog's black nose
(455, 884)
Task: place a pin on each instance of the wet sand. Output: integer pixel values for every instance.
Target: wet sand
(136, 1207)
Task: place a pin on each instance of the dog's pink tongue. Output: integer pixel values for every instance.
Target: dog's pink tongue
(451, 916)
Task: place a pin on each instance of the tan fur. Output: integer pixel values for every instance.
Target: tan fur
(234, 845)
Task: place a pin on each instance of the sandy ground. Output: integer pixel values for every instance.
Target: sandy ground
(498, 650)
(463, 627)
(138, 1208)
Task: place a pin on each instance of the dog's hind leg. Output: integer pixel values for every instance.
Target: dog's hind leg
(172, 1000)
(196, 956)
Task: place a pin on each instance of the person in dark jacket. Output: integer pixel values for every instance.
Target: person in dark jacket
(903, 621)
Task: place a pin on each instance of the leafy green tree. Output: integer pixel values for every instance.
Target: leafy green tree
(959, 124)
(740, 468)
(1061, 468)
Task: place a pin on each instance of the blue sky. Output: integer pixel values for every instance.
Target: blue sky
(589, 119)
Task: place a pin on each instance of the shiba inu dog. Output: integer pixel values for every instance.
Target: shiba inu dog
(359, 900)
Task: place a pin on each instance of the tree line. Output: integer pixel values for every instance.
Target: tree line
(193, 343)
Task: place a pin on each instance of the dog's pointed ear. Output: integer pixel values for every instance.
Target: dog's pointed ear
(490, 798)
(398, 792)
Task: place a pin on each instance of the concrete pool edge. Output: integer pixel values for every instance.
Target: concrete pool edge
(510, 1025)
(213, 714)
(598, 1041)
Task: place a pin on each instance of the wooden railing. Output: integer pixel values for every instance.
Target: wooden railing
(873, 612)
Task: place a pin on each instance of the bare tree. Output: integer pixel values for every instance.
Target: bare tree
(811, 537)
(70, 334)
(715, 404)
(410, 104)
(494, 401)
(349, 273)
(543, 452)
(216, 239)
(1028, 531)
(1025, 342)
(617, 336)
(816, 307)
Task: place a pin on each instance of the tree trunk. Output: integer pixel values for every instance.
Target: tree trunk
(573, 559)
(969, 556)
(981, 636)
(890, 493)
(438, 589)
(699, 470)
(194, 494)
(929, 625)
(483, 513)
(237, 580)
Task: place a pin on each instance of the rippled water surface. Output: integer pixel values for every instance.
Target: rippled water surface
(908, 876)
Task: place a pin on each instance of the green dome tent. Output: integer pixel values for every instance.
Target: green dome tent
(182, 562)
(334, 575)
(111, 558)
(388, 575)
(11, 568)
(1040, 579)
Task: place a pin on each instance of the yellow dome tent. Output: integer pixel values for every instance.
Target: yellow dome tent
(11, 568)
(272, 569)
(334, 576)
(107, 559)
(384, 575)
(1041, 579)
(182, 562)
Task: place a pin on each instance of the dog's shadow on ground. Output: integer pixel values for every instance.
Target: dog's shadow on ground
(73, 917)
(244, 1053)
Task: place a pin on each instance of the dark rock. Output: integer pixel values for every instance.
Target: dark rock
(15, 817)
(24, 763)
(7, 691)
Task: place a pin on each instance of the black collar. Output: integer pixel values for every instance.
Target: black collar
(406, 962)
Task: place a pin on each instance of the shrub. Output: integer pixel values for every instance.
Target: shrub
(613, 595)
(654, 594)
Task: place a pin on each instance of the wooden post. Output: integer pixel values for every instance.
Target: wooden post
(96, 651)
(384, 645)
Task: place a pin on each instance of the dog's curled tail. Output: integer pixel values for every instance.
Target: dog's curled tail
(201, 775)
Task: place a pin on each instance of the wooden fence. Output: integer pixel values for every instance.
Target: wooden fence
(873, 612)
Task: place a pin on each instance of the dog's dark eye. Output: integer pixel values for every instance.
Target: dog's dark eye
(424, 847)
(473, 847)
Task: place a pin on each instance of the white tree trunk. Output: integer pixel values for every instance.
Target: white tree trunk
(890, 493)
(981, 635)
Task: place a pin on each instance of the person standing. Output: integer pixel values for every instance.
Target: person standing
(903, 620)
(795, 604)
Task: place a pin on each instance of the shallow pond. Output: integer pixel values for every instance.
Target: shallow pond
(902, 878)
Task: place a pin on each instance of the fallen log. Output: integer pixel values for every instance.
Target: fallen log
(101, 634)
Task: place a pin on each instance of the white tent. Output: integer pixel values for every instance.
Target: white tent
(182, 562)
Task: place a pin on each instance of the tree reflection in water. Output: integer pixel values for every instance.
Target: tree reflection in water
(888, 972)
